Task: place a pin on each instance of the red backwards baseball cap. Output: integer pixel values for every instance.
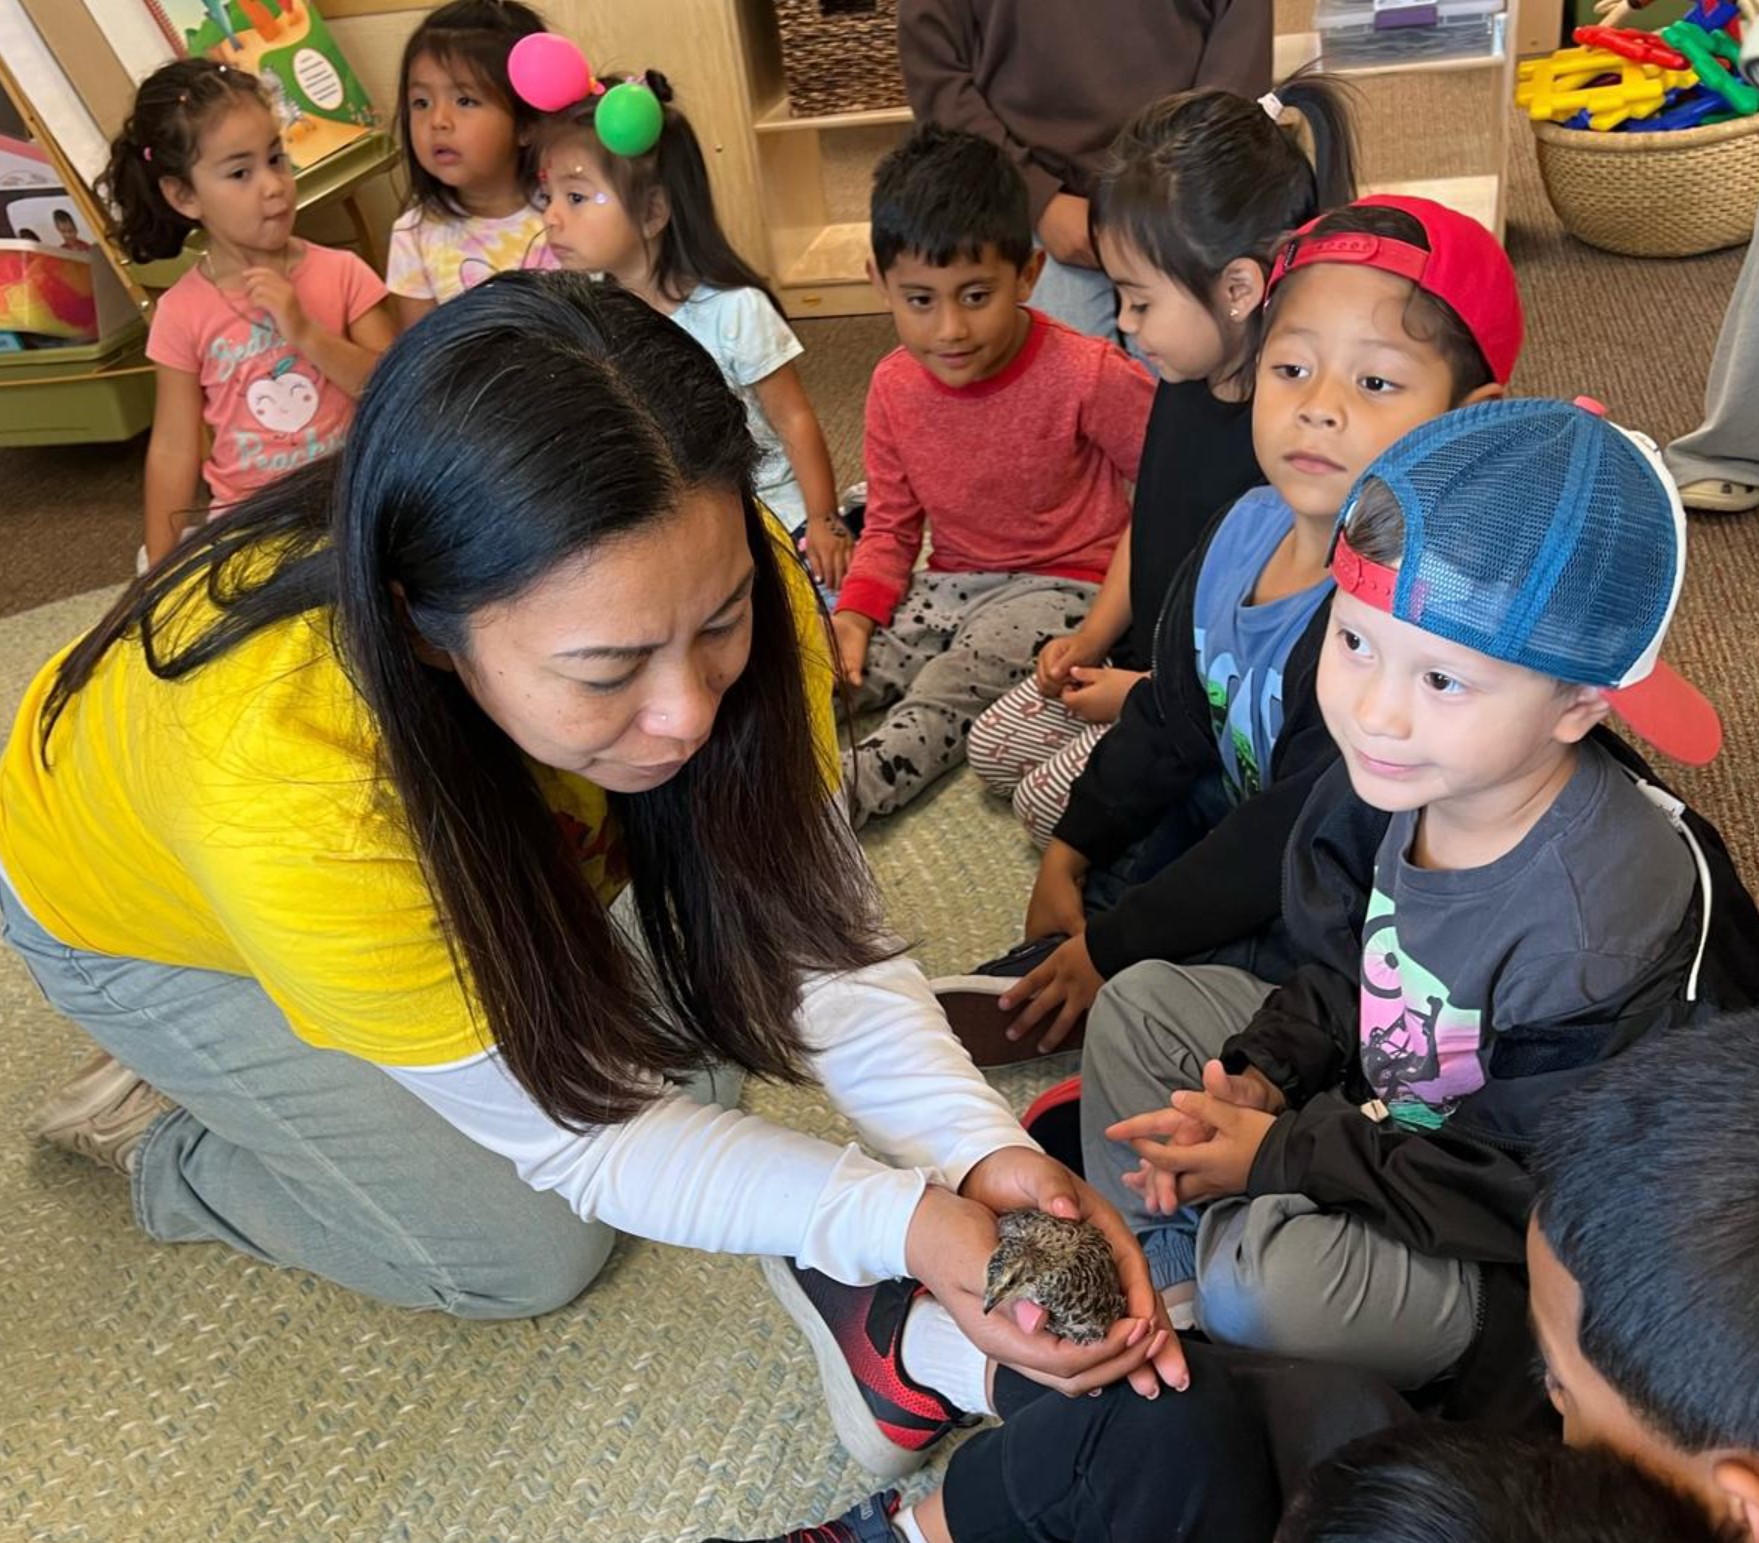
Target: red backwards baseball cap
(1465, 267)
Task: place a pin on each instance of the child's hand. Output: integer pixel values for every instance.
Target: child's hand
(1250, 1089)
(1056, 658)
(1055, 905)
(1059, 991)
(829, 546)
(273, 292)
(1097, 696)
(1211, 1168)
(853, 631)
(1064, 231)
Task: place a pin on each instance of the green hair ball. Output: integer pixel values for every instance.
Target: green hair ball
(628, 119)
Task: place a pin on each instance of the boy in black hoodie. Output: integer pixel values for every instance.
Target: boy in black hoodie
(1378, 317)
(1488, 897)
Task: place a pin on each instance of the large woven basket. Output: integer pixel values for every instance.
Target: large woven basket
(1654, 195)
(840, 56)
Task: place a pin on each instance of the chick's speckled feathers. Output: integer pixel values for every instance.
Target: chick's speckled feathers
(1065, 1267)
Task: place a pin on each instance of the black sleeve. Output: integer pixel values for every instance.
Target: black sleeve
(1304, 1036)
(1224, 887)
(1435, 1191)
(1155, 750)
(1229, 884)
(1135, 772)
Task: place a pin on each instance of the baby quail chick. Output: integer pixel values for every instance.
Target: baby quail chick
(1065, 1267)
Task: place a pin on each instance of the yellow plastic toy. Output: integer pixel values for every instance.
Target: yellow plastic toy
(1559, 87)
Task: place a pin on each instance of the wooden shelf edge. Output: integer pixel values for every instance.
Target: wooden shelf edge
(773, 119)
(830, 280)
(805, 302)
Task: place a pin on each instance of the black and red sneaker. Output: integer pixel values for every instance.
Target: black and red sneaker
(868, 1522)
(1053, 1120)
(886, 1421)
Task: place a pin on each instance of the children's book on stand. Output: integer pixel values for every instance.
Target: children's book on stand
(321, 103)
(47, 296)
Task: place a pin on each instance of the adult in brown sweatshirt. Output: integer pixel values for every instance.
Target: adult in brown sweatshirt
(1052, 82)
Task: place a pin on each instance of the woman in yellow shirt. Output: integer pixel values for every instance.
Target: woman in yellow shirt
(317, 834)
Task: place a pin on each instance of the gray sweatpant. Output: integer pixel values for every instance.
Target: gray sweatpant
(1275, 1273)
(957, 642)
(1725, 447)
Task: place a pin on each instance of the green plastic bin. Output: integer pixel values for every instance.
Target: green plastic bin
(99, 393)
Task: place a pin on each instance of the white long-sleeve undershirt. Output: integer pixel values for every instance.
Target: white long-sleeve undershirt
(710, 1178)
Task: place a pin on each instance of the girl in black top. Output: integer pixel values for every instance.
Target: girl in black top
(1197, 192)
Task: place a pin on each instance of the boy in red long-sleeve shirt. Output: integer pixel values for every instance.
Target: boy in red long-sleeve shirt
(1008, 436)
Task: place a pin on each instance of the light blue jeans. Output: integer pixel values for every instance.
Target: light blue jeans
(1082, 298)
(312, 1158)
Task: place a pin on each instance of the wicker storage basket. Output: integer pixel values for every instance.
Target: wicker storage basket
(840, 56)
(1654, 195)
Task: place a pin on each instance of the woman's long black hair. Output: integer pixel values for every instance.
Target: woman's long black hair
(516, 429)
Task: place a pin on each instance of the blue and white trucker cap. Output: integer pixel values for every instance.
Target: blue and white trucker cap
(1541, 534)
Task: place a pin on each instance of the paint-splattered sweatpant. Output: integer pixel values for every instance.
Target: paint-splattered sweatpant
(956, 642)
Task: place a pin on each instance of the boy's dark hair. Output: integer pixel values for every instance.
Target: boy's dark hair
(471, 38)
(1375, 527)
(1427, 319)
(1451, 1484)
(944, 195)
(1199, 180)
(1649, 1197)
(162, 138)
(692, 249)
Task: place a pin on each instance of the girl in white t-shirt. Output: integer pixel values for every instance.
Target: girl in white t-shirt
(648, 221)
(471, 173)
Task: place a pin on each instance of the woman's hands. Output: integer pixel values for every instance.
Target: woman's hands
(952, 1236)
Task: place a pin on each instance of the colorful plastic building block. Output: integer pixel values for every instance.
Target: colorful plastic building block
(1630, 43)
(1605, 85)
(1706, 51)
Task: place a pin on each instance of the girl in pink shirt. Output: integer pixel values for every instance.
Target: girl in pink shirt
(268, 339)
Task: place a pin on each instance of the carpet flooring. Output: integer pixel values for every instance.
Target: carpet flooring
(186, 1394)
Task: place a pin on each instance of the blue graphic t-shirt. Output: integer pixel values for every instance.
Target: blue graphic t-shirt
(1242, 648)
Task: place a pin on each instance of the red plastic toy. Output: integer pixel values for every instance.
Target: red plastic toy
(1629, 43)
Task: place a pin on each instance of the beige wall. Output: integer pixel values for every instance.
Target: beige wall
(697, 44)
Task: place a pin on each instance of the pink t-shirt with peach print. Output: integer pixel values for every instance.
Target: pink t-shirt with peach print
(269, 407)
